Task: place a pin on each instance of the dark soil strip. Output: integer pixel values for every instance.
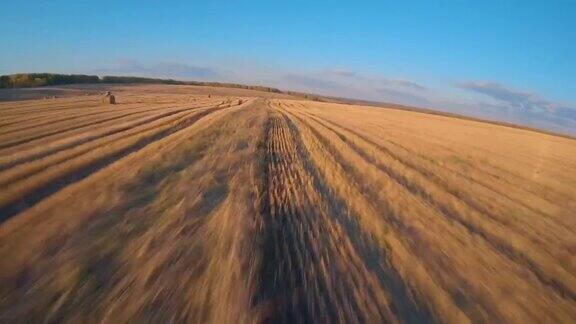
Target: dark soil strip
(406, 308)
(55, 119)
(432, 177)
(32, 198)
(87, 139)
(282, 261)
(30, 139)
(495, 242)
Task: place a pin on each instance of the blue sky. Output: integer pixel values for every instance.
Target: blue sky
(506, 60)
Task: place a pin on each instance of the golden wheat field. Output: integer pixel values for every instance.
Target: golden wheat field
(229, 206)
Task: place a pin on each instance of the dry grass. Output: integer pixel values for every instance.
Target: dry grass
(174, 207)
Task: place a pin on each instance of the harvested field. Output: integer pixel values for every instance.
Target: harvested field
(243, 207)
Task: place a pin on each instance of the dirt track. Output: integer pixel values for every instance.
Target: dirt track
(176, 206)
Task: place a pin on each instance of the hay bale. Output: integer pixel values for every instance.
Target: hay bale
(109, 99)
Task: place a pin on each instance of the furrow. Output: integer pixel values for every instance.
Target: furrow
(41, 105)
(31, 196)
(457, 192)
(302, 217)
(491, 178)
(71, 128)
(497, 238)
(77, 142)
(29, 123)
(402, 211)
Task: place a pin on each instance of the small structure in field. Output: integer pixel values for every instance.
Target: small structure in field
(109, 98)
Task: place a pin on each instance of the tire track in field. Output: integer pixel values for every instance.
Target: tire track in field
(317, 265)
(12, 176)
(492, 171)
(495, 242)
(12, 120)
(59, 131)
(36, 195)
(404, 232)
(57, 118)
(106, 113)
(75, 112)
(49, 110)
(95, 137)
(422, 170)
(481, 167)
(135, 111)
(431, 176)
(39, 104)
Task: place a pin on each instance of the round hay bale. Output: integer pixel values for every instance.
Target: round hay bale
(109, 99)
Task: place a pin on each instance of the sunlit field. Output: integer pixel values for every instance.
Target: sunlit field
(197, 204)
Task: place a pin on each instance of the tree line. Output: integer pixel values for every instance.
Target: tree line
(28, 80)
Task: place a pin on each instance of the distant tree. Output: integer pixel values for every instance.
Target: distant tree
(24, 80)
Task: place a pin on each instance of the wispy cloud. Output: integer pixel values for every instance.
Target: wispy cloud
(352, 84)
(380, 80)
(525, 107)
(514, 98)
(311, 82)
(161, 69)
(404, 97)
(342, 73)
